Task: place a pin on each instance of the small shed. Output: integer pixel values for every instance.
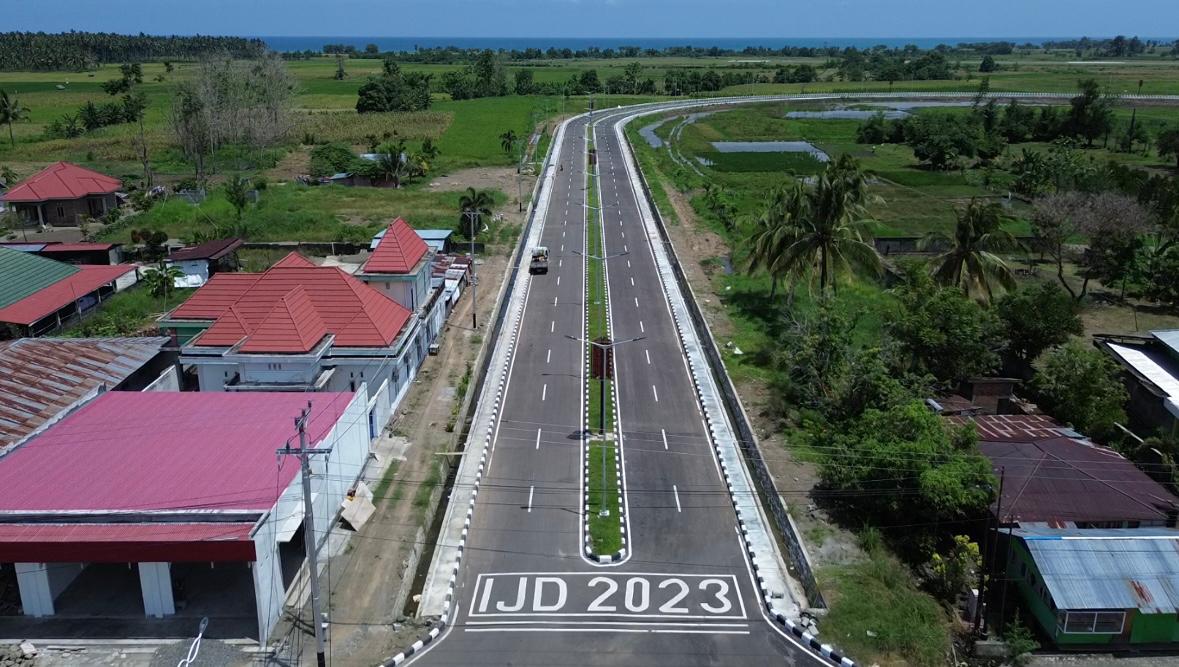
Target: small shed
(200, 262)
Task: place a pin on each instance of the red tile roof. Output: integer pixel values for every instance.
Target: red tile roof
(293, 326)
(216, 296)
(399, 251)
(158, 451)
(63, 292)
(256, 307)
(62, 180)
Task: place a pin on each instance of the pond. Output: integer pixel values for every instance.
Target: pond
(771, 147)
(648, 133)
(846, 114)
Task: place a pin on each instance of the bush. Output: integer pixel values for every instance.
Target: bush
(1082, 386)
(331, 159)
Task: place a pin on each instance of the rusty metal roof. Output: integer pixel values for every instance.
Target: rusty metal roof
(1126, 568)
(40, 377)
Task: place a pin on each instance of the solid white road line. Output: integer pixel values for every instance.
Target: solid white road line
(544, 391)
(533, 488)
(538, 438)
(656, 392)
(673, 490)
(664, 434)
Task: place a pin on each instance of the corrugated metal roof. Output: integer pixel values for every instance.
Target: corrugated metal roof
(1053, 475)
(208, 250)
(62, 180)
(151, 451)
(61, 293)
(23, 274)
(39, 377)
(1108, 569)
(1168, 337)
(435, 234)
(1141, 361)
(77, 247)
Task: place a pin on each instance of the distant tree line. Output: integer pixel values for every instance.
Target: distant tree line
(78, 51)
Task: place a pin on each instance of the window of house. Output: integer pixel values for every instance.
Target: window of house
(1093, 622)
(61, 211)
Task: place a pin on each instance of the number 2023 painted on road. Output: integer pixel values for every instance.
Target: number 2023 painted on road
(623, 594)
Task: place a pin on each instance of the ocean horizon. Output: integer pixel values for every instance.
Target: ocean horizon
(387, 44)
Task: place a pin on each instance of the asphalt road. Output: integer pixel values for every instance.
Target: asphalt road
(526, 595)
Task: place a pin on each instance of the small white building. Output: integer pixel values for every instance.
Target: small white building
(200, 262)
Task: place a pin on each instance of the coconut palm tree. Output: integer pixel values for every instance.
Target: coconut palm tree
(969, 258)
(507, 141)
(473, 205)
(819, 231)
(391, 163)
(160, 280)
(775, 231)
(11, 112)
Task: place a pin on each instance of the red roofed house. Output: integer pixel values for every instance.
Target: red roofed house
(188, 488)
(39, 295)
(298, 327)
(400, 266)
(62, 194)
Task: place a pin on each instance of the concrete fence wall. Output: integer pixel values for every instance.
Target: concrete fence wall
(799, 559)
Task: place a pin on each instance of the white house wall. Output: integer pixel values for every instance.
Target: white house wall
(332, 476)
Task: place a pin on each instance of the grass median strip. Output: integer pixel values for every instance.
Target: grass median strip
(605, 531)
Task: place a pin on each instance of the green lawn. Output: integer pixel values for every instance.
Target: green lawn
(128, 313)
(319, 213)
(605, 531)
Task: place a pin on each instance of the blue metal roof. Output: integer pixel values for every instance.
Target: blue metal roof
(1129, 568)
(435, 234)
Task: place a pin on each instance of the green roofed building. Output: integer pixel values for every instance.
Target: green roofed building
(1112, 587)
(38, 295)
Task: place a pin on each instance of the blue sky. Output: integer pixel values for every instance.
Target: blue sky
(602, 18)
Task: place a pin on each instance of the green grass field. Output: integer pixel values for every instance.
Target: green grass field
(605, 531)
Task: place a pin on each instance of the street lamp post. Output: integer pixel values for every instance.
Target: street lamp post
(606, 350)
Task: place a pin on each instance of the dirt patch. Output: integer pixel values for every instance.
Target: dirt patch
(295, 163)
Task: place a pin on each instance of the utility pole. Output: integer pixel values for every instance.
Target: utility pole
(305, 455)
(471, 217)
(989, 557)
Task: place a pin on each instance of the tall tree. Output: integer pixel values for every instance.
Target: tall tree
(775, 231)
(969, 259)
(473, 205)
(237, 192)
(507, 141)
(831, 234)
(1090, 113)
(1167, 143)
(392, 163)
(1081, 386)
(1034, 319)
(11, 112)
